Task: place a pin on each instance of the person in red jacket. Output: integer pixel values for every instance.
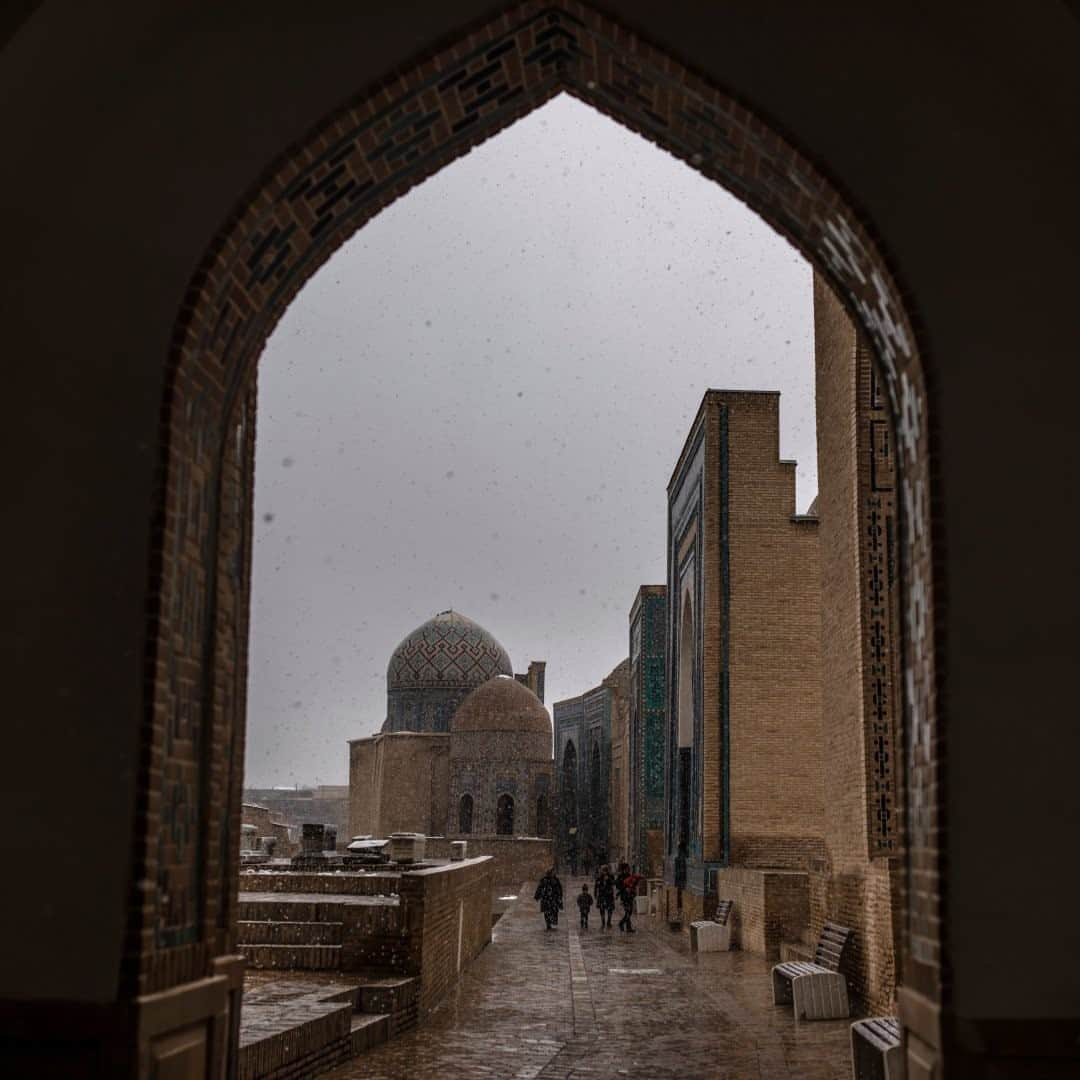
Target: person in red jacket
(627, 884)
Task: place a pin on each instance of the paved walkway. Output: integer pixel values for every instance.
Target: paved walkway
(593, 1003)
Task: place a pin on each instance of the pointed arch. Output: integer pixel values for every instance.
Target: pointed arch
(541, 815)
(316, 196)
(465, 814)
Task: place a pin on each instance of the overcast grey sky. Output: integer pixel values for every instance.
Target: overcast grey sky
(478, 402)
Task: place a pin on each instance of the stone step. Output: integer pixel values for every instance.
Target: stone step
(265, 932)
(293, 957)
(369, 1030)
(284, 910)
(298, 1039)
(395, 995)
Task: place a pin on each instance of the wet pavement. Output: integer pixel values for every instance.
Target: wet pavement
(600, 1003)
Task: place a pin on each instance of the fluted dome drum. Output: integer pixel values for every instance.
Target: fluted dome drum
(435, 667)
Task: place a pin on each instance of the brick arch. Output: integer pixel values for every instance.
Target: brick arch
(311, 201)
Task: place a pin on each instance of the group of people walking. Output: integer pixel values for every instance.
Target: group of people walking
(606, 888)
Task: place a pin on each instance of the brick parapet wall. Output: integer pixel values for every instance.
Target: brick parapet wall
(341, 884)
(514, 858)
(447, 917)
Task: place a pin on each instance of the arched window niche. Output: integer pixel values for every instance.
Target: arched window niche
(504, 815)
(465, 814)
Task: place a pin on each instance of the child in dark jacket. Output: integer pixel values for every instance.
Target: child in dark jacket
(584, 903)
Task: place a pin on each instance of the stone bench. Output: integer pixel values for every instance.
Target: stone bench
(712, 935)
(818, 990)
(877, 1051)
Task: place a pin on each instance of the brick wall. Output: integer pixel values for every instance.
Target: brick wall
(341, 884)
(447, 916)
(774, 659)
(744, 578)
(398, 782)
(267, 824)
(514, 858)
(771, 906)
(694, 906)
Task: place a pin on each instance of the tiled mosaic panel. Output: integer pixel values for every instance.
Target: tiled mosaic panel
(879, 594)
(360, 162)
(647, 710)
(653, 695)
(448, 650)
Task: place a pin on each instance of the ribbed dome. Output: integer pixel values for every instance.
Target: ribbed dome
(502, 704)
(449, 650)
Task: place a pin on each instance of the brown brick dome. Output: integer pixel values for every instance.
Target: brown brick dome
(502, 704)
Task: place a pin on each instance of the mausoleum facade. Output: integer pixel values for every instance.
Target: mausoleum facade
(466, 747)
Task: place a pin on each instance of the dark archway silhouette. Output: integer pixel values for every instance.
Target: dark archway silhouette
(504, 815)
(541, 815)
(465, 814)
(317, 195)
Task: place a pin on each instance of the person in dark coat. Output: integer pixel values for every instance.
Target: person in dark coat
(548, 898)
(627, 885)
(549, 894)
(584, 903)
(604, 888)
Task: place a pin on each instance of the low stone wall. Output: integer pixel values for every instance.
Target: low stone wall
(446, 913)
(437, 922)
(770, 906)
(694, 907)
(266, 825)
(342, 884)
(315, 1040)
(516, 858)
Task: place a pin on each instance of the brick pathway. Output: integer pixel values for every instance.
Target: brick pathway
(595, 1003)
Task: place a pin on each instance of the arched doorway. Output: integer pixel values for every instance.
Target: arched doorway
(504, 815)
(465, 814)
(318, 195)
(541, 815)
